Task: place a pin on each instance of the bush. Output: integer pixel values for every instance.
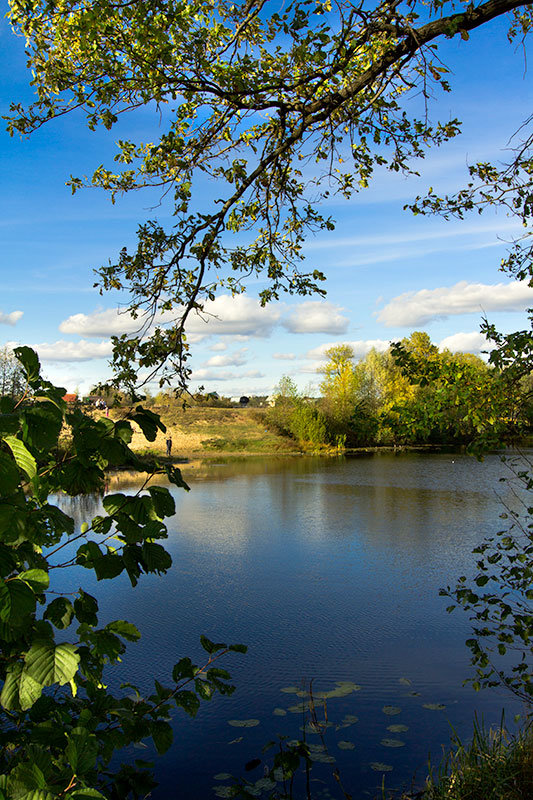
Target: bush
(60, 725)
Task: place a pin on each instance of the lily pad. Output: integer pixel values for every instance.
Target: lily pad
(346, 745)
(299, 707)
(243, 723)
(413, 694)
(222, 776)
(391, 711)
(237, 740)
(392, 743)
(405, 681)
(265, 783)
(223, 791)
(279, 712)
(397, 728)
(343, 725)
(377, 766)
(434, 706)
(290, 689)
(350, 718)
(323, 758)
(313, 727)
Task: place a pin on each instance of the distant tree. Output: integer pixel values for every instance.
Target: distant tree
(12, 381)
(339, 386)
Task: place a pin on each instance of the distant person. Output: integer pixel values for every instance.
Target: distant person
(169, 446)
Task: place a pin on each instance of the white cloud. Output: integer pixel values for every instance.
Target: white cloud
(218, 346)
(226, 315)
(234, 360)
(284, 356)
(419, 308)
(10, 319)
(73, 351)
(223, 375)
(316, 316)
(111, 322)
(473, 342)
(445, 231)
(360, 348)
(240, 315)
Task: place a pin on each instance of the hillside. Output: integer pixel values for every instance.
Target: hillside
(208, 431)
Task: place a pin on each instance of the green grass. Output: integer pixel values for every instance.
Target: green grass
(494, 765)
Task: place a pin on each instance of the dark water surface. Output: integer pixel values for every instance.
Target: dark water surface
(329, 570)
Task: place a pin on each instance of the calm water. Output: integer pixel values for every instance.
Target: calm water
(329, 570)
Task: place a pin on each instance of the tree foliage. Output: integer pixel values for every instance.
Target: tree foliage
(279, 108)
(499, 598)
(11, 374)
(60, 725)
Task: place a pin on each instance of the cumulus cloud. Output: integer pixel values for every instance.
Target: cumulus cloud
(360, 348)
(284, 356)
(218, 346)
(240, 315)
(10, 319)
(316, 316)
(234, 360)
(473, 342)
(111, 322)
(226, 315)
(223, 375)
(73, 351)
(419, 308)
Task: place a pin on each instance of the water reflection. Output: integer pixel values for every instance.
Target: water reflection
(329, 569)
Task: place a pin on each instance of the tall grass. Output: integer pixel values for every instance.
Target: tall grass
(494, 765)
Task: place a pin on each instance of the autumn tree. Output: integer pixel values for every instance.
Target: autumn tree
(279, 108)
(339, 384)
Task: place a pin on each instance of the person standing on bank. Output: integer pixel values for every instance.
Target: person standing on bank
(169, 446)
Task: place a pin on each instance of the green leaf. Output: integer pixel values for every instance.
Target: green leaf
(38, 579)
(164, 504)
(211, 647)
(23, 457)
(175, 477)
(148, 422)
(9, 424)
(161, 733)
(156, 558)
(86, 608)
(81, 750)
(41, 425)
(113, 503)
(183, 669)
(16, 601)
(60, 612)
(238, 648)
(188, 701)
(7, 560)
(9, 475)
(29, 360)
(108, 566)
(49, 663)
(125, 629)
(20, 690)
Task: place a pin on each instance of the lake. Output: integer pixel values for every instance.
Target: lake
(329, 570)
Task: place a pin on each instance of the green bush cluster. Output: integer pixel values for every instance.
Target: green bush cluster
(60, 725)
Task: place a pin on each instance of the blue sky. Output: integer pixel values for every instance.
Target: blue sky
(389, 273)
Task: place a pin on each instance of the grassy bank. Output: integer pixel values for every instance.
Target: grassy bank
(494, 765)
(204, 431)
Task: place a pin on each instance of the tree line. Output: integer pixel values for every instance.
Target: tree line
(410, 394)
